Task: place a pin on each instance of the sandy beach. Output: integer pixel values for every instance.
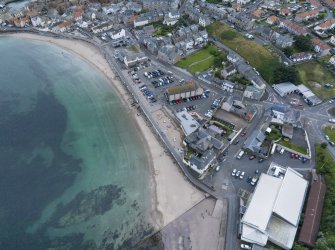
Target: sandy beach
(174, 195)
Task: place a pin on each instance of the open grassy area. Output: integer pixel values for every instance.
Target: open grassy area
(258, 56)
(293, 146)
(325, 165)
(314, 75)
(200, 60)
(330, 132)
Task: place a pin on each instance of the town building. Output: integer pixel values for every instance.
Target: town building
(201, 163)
(228, 71)
(305, 16)
(285, 88)
(293, 27)
(241, 21)
(183, 91)
(308, 96)
(253, 93)
(325, 26)
(115, 34)
(301, 57)
(131, 59)
(187, 122)
(254, 143)
(272, 20)
(204, 21)
(320, 46)
(312, 219)
(275, 207)
(332, 60)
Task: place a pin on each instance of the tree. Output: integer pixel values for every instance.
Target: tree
(296, 246)
(303, 43)
(288, 51)
(324, 145)
(285, 74)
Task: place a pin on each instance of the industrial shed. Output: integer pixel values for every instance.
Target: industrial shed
(310, 227)
(183, 91)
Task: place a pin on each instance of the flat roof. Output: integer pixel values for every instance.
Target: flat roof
(302, 88)
(260, 208)
(285, 87)
(291, 197)
(281, 233)
(188, 123)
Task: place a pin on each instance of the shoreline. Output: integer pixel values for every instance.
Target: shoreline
(169, 198)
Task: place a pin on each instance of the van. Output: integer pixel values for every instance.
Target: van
(240, 155)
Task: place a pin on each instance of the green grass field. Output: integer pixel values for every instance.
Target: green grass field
(293, 146)
(260, 57)
(314, 75)
(330, 132)
(198, 61)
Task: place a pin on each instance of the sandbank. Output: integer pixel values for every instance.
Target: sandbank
(174, 195)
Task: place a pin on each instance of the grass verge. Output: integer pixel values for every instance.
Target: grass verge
(293, 146)
(325, 165)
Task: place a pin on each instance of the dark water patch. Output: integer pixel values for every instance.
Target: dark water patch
(87, 205)
(29, 181)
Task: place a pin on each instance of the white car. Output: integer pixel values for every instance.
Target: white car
(234, 172)
(242, 175)
(245, 246)
(238, 173)
(332, 120)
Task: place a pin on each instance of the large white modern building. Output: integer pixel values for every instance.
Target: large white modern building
(274, 210)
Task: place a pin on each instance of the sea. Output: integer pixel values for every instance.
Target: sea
(73, 170)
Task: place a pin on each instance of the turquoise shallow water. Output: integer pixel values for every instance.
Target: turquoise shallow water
(73, 171)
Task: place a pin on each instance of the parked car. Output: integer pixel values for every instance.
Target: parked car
(236, 142)
(252, 157)
(332, 120)
(234, 172)
(242, 175)
(245, 246)
(260, 160)
(238, 173)
(254, 180)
